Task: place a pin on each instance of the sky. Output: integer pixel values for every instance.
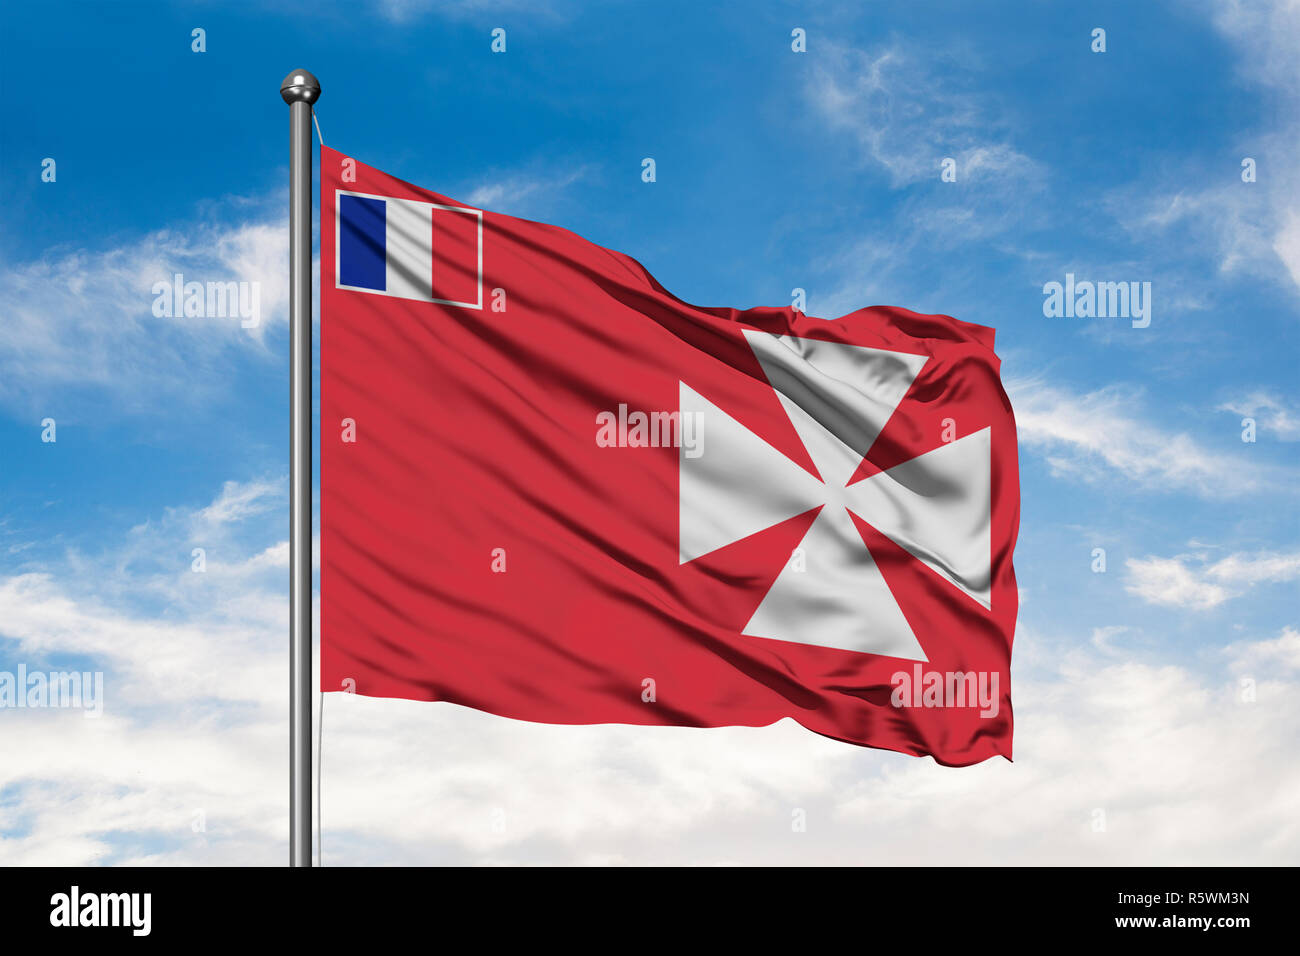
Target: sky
(1156, 680)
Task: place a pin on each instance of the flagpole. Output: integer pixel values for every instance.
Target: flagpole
(300, 90)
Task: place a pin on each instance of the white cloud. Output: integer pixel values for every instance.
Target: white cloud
(1276, 416)
(239, 500)
(906, 118)
(1102, 637)
(1102, 434)
(195, 721)
(1268, 33)
(518, 193)
(907, 110)
(1259, 568)
(1250, 228)
(1186, 581)
(83, 320)
(1281, 654)
(1170, 582)
(1151, 746)
(1286, 243)
(1245, 229)
(154, 661)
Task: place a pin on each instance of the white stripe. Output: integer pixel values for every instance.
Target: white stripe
(410, 249)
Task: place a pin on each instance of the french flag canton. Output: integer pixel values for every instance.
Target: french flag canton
(409, 249)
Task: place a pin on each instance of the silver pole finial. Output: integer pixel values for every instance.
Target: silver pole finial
(300, 86)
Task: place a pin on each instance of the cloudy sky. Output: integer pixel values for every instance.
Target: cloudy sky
(1157, 701)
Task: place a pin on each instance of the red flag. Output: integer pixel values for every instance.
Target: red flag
(552, 491)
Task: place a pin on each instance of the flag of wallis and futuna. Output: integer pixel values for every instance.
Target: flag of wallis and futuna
(554, 492)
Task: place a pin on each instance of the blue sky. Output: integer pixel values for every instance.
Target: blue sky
(775, 170)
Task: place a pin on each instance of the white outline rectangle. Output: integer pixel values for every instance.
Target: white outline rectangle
(432, 205)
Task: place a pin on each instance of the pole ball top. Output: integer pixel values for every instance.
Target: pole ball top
(300, 86)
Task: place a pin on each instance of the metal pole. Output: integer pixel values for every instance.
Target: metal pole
(300, 90)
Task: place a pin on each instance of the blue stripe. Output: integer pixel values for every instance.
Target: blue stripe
(362, 242)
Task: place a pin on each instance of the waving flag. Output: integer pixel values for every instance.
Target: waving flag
(552, 491)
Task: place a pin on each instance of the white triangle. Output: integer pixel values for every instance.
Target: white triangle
(845, 391)
(840, 599)
(937, 506)
(736, 486)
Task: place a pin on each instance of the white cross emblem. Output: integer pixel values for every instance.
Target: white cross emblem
(838, 398)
